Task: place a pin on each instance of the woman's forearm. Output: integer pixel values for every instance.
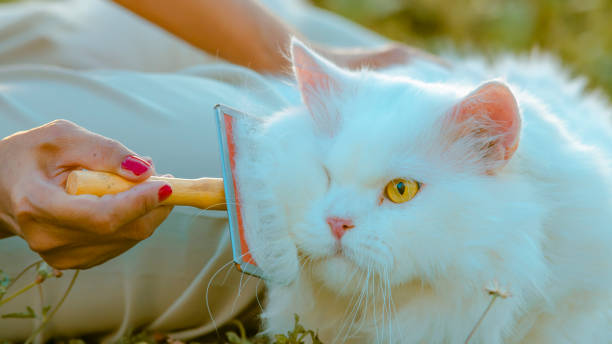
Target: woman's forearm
(6, 228)
(240, 31)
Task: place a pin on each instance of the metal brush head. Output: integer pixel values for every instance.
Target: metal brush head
(227, 120)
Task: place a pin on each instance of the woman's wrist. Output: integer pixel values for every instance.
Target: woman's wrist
(7, 227)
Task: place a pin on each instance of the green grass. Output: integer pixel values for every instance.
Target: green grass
(578, 31)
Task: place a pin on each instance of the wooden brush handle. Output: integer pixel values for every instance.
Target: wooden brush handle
(203, 193)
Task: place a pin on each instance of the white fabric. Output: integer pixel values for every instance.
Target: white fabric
(95, 64)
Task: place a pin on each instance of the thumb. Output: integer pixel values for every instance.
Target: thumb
(98, 153)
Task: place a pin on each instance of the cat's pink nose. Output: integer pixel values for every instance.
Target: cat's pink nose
(339, 226)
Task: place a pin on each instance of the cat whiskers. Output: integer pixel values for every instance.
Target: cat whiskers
(304, 261)
(382, 297)
(389, 305)
(257, 295)
(212, 278)
(210, 208)
(356, 311)
(240, 288)
(382, 304)
(224, 266)
(207, 304)
(350, 313)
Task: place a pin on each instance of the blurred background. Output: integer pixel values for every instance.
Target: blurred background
(579, 32)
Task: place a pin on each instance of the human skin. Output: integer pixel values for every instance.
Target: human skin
(69, 231)
(246, 33)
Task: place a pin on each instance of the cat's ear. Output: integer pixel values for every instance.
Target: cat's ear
(489, 119)
(318, 80)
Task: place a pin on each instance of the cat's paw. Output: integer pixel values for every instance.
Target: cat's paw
(281, 265)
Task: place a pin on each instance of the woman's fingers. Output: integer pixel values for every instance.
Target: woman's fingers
(101, 215)
(86, 255)
(378, 58)
(65, 248)
(381, 57)
(66, 146)
(98, 153)
(72, 249)
(44, 237)
(144, 226)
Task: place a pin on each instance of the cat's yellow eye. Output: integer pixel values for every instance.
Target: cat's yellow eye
(401, 190)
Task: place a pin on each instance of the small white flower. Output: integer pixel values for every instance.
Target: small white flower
(493, 288)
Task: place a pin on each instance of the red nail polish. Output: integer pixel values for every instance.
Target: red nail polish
(135, 164)
(164, 192)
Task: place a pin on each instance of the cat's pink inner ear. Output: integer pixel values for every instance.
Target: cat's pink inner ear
(315, 82)
(310, 69)
(494, 105)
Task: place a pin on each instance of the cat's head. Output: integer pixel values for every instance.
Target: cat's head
(390, 176)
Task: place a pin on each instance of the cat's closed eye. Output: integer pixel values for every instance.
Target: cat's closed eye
(400, 190)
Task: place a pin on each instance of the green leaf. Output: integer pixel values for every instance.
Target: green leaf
(281, 339)
(76, 341)
(233, 338)
(4, 279)
(315, 338)
(29, 314)
(297, 335)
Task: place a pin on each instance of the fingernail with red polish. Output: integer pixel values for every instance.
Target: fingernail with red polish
(135, 164)
(164, 192)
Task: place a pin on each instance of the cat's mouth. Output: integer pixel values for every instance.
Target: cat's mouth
(338, 249)
(351, 253)
(337, 252)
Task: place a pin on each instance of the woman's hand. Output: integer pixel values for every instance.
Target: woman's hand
(75, 231)
(375, 58)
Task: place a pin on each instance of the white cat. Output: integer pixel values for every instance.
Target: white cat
(382, 207)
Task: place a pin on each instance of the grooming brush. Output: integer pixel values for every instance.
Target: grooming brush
(203, 193)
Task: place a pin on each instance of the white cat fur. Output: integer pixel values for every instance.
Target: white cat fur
(416, 272)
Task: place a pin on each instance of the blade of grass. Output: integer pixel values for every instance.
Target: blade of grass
(484, 314)
(59, 304)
